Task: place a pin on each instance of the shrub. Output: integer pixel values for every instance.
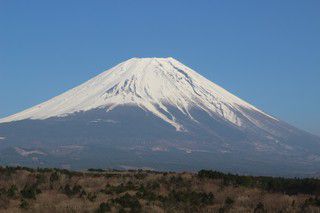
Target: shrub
(40, 178)
(153, 185)
(12, 191)
(43, 170)
(71, 191)
(146, 194)
(30, 191)
(4, 202)
(140, 175)
(312, 202)
(128, 201)
(221, 210)
(82, 193)
(91, 196)
(229, 201)
(104, 207)
(177, 182)
(54, 177)
(195, 199)
(259, 208)
(24, 204)
(119, 189)
(95, 170)
(9, 171)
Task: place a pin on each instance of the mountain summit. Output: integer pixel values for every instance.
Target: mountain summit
(160, 114)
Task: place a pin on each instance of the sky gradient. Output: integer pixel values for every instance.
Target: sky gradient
(265, 52)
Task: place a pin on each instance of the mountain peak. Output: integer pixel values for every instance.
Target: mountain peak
(150, 60)
(153, 58)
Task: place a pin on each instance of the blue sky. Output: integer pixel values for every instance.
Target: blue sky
(266, 52)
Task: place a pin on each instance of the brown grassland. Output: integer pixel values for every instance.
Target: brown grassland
(55, 190)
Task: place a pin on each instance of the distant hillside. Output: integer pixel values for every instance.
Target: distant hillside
(55, 190)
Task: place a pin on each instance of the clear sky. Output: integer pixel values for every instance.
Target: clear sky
(266, 52)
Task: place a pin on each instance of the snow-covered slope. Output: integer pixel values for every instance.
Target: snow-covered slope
(152, 84)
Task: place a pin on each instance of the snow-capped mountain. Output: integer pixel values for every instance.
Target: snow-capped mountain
(148, 109)
(151, 84)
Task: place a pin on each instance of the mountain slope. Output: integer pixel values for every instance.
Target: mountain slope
(157, 112)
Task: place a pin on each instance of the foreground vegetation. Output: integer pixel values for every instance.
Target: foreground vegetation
(56, 190)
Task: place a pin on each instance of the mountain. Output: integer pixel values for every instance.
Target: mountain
(159, 114)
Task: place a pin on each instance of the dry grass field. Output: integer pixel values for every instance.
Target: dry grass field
(54, 190)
